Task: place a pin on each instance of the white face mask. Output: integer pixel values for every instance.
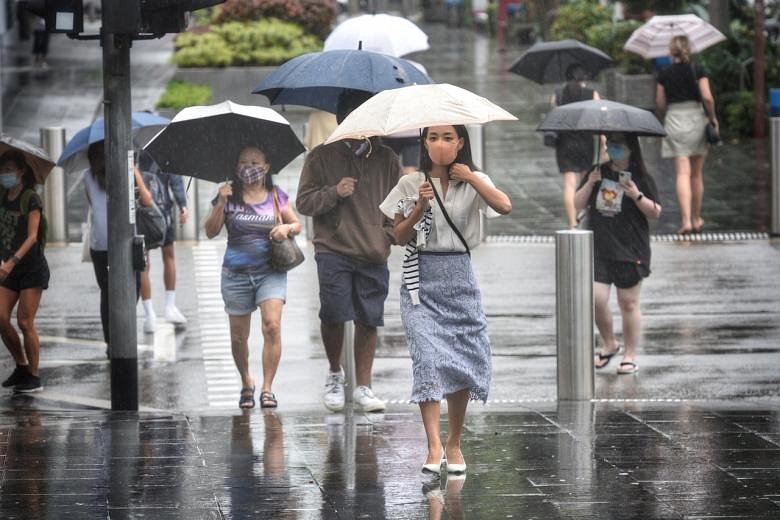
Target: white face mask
(8, 180)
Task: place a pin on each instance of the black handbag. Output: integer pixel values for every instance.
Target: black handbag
(712, 133)
(285, 254)
(550, 139)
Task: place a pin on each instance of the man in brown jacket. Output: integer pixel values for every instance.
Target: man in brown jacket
(341, 186)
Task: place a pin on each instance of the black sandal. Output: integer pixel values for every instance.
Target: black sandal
(268, 400)
(247, 399)
(606, 357)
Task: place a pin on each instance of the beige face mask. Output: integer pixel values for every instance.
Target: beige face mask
(443, 153)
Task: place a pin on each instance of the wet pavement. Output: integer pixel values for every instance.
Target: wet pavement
(571, 461)
(695, 434)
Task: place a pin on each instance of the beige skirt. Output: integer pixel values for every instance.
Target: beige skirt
(684, 127)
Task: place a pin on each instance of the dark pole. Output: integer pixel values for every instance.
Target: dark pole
(758, 71)
(121, 214)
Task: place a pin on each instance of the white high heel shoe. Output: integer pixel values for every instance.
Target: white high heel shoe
(435, 468)
(456, 468)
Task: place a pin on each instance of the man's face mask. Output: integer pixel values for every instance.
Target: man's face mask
(443, 153)
(251, 174)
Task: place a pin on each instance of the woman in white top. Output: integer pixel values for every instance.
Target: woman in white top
(441, 306)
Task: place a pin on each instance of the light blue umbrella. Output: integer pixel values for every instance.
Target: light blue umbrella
(316, 79)
(144, 124)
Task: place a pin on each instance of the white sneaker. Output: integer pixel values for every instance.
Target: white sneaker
(366, 401)
(150, 324)
(174, 315)
(334, 391)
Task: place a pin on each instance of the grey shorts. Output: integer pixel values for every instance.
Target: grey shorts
(351, 290)
(244, 292)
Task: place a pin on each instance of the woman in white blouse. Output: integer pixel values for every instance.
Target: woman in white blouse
(441, 306)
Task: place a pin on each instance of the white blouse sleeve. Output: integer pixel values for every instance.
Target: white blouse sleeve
(481, 203)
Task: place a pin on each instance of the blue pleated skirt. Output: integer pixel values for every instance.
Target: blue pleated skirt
(447, 331)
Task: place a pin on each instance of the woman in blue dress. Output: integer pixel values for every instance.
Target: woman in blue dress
(441, 306)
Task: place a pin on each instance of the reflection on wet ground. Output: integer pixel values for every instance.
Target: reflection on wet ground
(574, 461)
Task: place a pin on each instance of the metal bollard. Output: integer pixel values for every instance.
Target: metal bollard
(348, 361)
(574, 314)
(189, 230)
(477, 138)
(53, 141)
(774, 225)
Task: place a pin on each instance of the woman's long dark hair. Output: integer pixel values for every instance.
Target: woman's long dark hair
(463, 157)
(238, 186)
(17, 157)
(97, 163)
(572, 91)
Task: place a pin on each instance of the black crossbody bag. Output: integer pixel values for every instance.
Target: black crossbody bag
(446, 215)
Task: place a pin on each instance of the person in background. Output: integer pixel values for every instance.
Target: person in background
(245, 207)
(620, 197)
(168, 183)
(573, 150)
(682, 89)
(95, 187)
(24, 272)
(441, 305)
(341, 186)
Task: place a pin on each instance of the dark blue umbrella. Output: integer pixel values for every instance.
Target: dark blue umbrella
(144, 124)
(316, 79)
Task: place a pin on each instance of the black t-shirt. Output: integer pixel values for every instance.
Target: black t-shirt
(623, 236)
(13, 230)
(679, 82)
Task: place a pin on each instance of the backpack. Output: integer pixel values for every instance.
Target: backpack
(24, 206)
(151, 221)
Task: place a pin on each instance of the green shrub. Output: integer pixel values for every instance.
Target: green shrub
(264, 42)
(573, 19)
(610, 38)
(736, 115)
(315, 16)
(180, 94)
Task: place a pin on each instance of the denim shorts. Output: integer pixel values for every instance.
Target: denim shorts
(351, 290)
(244, 292)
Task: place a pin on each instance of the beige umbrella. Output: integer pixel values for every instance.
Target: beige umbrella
(651, 40)
(417, 106)
(37, 158)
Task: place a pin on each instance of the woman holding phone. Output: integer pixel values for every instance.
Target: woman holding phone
(620, 197)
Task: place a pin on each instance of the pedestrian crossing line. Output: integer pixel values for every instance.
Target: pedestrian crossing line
(673, 237)
(222, 382)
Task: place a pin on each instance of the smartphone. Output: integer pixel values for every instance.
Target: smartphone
(624, 177)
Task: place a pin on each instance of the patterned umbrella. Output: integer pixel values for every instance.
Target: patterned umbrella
(652, 39)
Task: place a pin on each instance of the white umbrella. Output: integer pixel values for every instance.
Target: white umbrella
(417, 106)
(651, 40)
(381, 33)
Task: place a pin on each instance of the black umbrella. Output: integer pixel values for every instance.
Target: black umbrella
(601, 116)
(205, 141)
(547, 62)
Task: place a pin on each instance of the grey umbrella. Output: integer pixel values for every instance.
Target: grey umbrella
(547, 62)
(37, 158)
(601, 116)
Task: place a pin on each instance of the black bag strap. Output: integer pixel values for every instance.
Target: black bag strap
(446, 215)
(698, 90)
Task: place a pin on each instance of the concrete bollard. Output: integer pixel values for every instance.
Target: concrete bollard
(574, 314)
(774, 225)
(53, 141)
(348, 361)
